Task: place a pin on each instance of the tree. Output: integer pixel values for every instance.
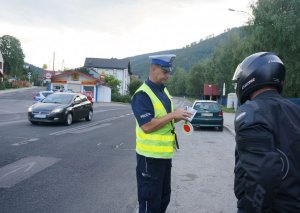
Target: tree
(196, 80)
(45, 66)
(13, 55)
(112, 82)
(276, 28)
(225, 60)
(133, 86)
(177, 83)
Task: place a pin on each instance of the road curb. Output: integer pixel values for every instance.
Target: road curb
(16, 89)
(231, 131)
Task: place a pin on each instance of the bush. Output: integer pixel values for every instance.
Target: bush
(133, 86)
(2, 85)
(5, 85)
(225, 109)
(121, 98)
(19, 84)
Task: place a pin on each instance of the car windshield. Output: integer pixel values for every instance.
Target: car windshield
(206, 106)
(58, 98)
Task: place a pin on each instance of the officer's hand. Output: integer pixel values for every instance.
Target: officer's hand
(181, 114)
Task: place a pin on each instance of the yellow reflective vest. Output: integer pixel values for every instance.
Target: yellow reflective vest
(160, 143)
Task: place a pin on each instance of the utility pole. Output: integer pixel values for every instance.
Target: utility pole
(53, 60)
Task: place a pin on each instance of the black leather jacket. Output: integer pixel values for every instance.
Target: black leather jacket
(267, 157)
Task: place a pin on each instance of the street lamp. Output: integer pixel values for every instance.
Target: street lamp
(241, 11)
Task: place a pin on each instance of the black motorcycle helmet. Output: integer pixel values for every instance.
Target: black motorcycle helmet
(256, 71)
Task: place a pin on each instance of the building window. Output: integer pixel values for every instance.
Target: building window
(1, 65)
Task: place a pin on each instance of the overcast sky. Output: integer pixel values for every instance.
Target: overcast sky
(76, 29)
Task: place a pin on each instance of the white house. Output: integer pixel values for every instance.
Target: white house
(119, 68)
(1, 66)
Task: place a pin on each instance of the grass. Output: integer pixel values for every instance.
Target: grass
(225, 109)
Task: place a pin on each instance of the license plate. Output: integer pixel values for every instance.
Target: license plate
(40, 116)
(207, 114)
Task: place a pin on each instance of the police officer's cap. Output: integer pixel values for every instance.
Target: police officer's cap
(164, 61)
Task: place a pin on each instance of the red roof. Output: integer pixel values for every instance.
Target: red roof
(79, 73)
(211, 89)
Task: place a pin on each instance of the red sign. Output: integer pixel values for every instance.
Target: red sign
(59, 81)
(211, 89)
(187, 128)
(89, 82)
(48, 75)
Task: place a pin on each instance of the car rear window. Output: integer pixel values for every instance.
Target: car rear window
(206, 106)
(45, 94)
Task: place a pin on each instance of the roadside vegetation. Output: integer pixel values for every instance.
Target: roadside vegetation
(274, 26)
(225, 109)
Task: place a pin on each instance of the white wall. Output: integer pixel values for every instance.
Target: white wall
(121, 75)
(104, 94)
(232, 100)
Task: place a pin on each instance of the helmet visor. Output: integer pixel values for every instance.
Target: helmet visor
(237, 72)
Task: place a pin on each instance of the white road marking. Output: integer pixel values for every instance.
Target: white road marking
(87, 127)
(118, 146)
(82, 127)
(12, 122)
(27, 167)
(127, 149)
(25, 142)
(20, 170)
(90, 129)
(106, 110)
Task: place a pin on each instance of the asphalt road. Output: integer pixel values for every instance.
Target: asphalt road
(90, 166)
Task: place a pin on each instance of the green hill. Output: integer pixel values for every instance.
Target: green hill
(186, 57)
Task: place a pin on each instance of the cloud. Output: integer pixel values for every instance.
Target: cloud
(113, 15)
(76, 29)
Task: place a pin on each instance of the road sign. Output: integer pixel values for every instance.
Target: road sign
(48, 75)
(187, 128)
(29, 75)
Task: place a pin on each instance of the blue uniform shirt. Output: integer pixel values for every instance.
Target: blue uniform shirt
(142, 106)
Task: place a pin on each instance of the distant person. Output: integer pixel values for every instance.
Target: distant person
(155, 136)
(267, 165)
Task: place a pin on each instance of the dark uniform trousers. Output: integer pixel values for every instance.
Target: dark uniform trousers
(154, 184)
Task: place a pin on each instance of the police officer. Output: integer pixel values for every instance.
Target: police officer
(155, 136)
(267, 166)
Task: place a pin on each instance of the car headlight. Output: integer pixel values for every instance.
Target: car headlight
(57, 110)
(30, 109)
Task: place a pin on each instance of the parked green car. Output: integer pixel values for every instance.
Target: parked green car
(209, 114)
